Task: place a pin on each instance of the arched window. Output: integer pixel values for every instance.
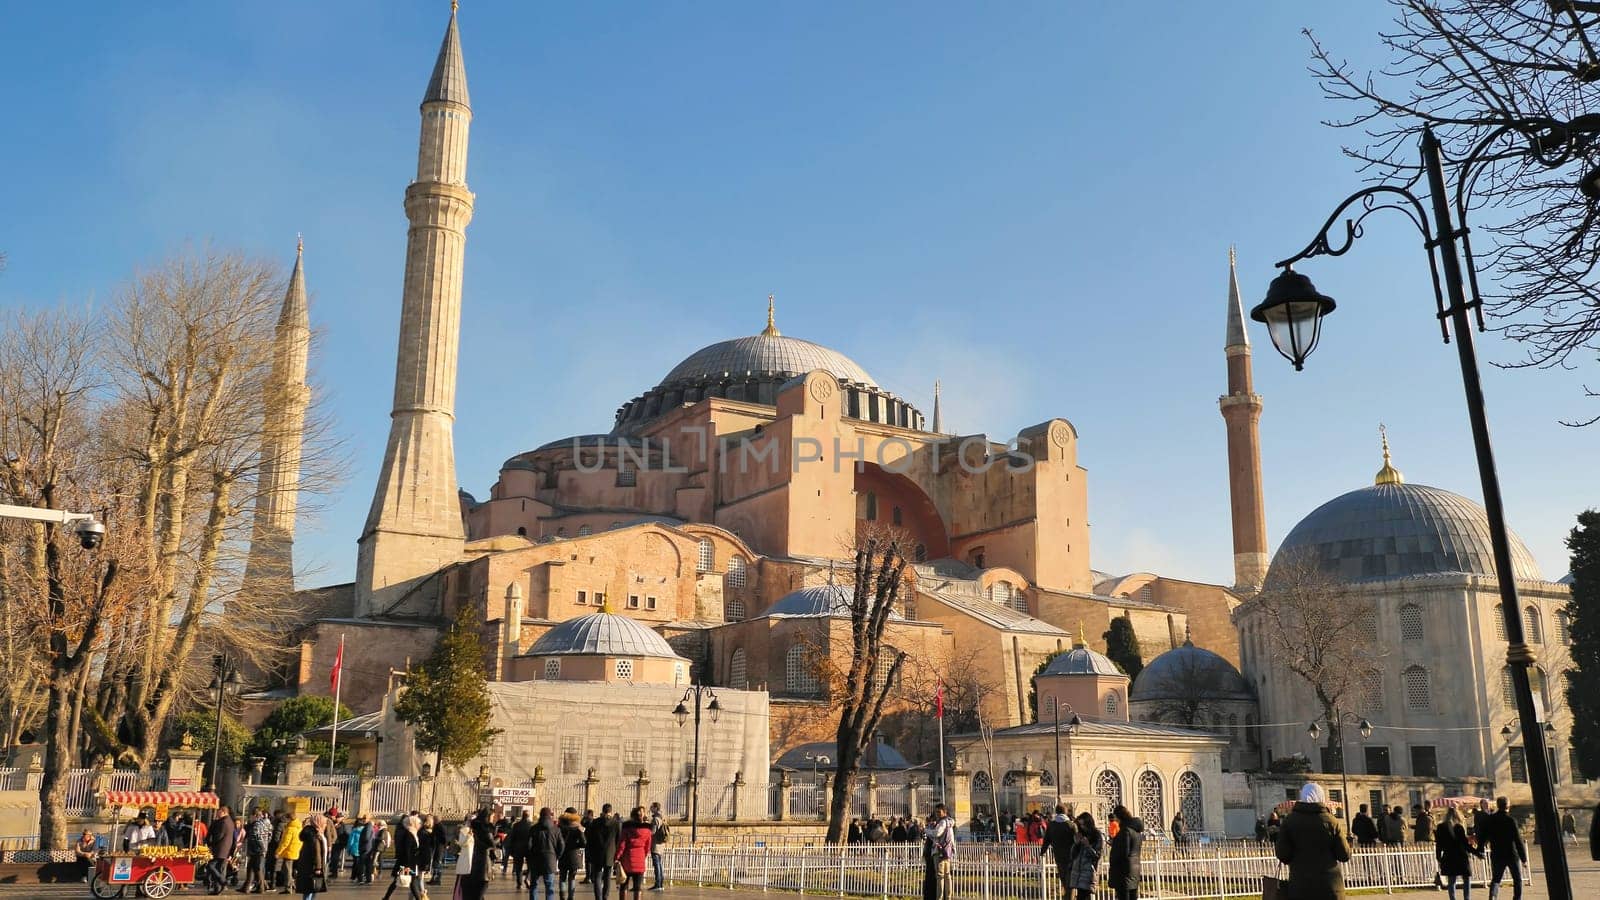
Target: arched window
(880, 672)
(584, 531)
(1372, 691)
(1499, 622)
(1108, 788)
(1191, 802)
(871, 513)
(920, 554)
(1411, 622)
(1367, 626)
(706, 558)
(561, 532)
(981, 782)
(1508, 688)
(1563, 627)
(895, 516)
(733, 610)
(736, 572)
(738, 678)
(1536, 680)
(1533, 626)
(1419, 695)
(1111, 703)
(1149, 789)
(1047, 779)
(797, 675)
(522, 531)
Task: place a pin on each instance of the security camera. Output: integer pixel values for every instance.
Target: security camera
(90, 533)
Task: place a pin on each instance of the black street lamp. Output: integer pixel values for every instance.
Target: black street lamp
(819, 759)
(1294, 309)
(224, 678)
(713, 707)
(1072, 728)
(1365, 729)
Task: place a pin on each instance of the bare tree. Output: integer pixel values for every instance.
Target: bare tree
(1469, 69)
(1324, 634)
(1188, 696)
(879, 569)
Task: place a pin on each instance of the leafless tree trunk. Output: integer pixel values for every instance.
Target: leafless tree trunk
(1467, 68)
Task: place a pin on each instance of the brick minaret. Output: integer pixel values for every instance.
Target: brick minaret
(1241, 409)
(269, 569)
(415, 527)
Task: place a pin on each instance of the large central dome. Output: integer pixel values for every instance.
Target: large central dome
(765, 354)
(1396, 530)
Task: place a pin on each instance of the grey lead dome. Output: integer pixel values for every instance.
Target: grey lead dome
(766, 355)
(1401, 530)
(602, 634)
(1187, 672)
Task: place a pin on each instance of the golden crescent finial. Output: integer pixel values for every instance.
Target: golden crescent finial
(1388, 474)
(772, 326)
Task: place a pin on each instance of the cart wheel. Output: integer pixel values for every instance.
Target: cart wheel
(104, 889)
(157, 884)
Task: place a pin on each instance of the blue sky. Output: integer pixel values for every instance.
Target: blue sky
(1030, 201)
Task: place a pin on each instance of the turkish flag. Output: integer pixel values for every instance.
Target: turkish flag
(338, 667)
(938, 701)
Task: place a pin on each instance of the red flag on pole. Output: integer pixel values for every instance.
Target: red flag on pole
(938, 700)
(338, 667)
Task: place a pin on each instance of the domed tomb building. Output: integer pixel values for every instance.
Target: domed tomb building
(1439, 695)
(1195, 687)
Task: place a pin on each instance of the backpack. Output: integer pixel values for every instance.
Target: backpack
(661, 833)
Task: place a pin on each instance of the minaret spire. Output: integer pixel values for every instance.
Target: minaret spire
(269, 567)
(938, 417)
(414, 527)
(772, 324)
(1241, 409)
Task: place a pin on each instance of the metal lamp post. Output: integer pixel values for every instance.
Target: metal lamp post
(819, 759)
(224, 678)
(1364, 728)
(1072, 728)
(713, 707)
(1293, 311)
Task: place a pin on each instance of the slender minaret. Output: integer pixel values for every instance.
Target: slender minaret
(938, 419)
(1241, 409)
(269, 569)
(415, 527)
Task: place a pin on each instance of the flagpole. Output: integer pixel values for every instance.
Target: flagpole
(338, 683)
(942, 798)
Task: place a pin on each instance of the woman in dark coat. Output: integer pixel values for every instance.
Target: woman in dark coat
(1594, 834)
(1454, 853)
(310, 876)
(1126, 849)
(544, 855)
(407, 856)
(1312, 845)
(571, 853)
(1086, 853)
(483, 837)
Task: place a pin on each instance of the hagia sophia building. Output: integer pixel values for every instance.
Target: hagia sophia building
(707, 536)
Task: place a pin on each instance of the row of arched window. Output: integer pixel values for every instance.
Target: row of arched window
(1148, 803)
(1533, 625)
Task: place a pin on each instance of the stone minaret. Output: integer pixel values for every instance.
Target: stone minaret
(1241, 409)
(414, 528)
(270, 566)
(938, 419)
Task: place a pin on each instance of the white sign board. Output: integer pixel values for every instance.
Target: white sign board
(512, 796)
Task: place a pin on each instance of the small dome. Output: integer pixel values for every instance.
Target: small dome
(1080, 660)
(818, 600)
(1566, 579)
(764, 354)
(1396, 530)
(1187, 672)
(602, 634)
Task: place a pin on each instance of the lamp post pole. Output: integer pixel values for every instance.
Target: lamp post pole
(682, 712)
(1293, 311)
(1055, 716)
(224, 675)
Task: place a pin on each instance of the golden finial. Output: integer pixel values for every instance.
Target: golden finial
(1083, 641)
(605, 606)
(1232, 259)
(454, 5)
(772, 326)
(1388, 474)
(299, 243)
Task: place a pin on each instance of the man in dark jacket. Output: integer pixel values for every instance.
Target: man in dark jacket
(517, 841)
(1059, 836)
(1312, 844)
(219, 840)
(1394, 827)
(1364, 829)
(1126, 849)
(600, 850)
(1503, 839)
(545, 846)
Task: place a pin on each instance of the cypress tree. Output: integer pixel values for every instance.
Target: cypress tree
(446, 700)
(1122, 647)
(1583, 682)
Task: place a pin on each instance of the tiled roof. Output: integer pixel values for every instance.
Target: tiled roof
(1094, 728)
(998, 615)
(820, 600)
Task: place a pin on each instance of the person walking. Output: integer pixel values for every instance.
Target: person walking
(219, 840)
(1421, 824)
(381, 840)
(1480, 821)
(572, 843)
(1363, 829)
(1503, 840)
(1089, 847)
(633, 852)
(517, 840)
(1060, 836)
(938, 854)
(288, 852)
(1127, 850)
(1394, 827)
(310, 867)
(258, 849)
(425, 839)
(659, 833)
(339, 839)
(481, 838)
(1453, 852)
(1312, 845)
(356, 845)
(440, 841)
(544, 855)
(407, 848)
(600, 850)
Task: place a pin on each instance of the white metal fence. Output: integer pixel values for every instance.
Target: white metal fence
(393, 795)
(349, 785)
(1005, 873)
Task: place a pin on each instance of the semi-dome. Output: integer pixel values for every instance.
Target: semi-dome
(1396, 530)
(602, 634)
(1080, 660)
(831, 600)
(1186, 672)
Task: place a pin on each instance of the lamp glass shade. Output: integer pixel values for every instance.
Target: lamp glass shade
(1506, 732)
(1315, 731)
(682, 712)
(715, 708)
(1293, 312)
(1365, 728)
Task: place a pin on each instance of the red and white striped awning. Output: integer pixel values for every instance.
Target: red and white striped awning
(1457, 802)
(186, 799)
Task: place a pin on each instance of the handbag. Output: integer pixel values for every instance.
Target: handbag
(1274, 888)
(402, 878)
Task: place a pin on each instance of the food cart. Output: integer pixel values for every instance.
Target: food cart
(1464, 803)
(154, 870)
